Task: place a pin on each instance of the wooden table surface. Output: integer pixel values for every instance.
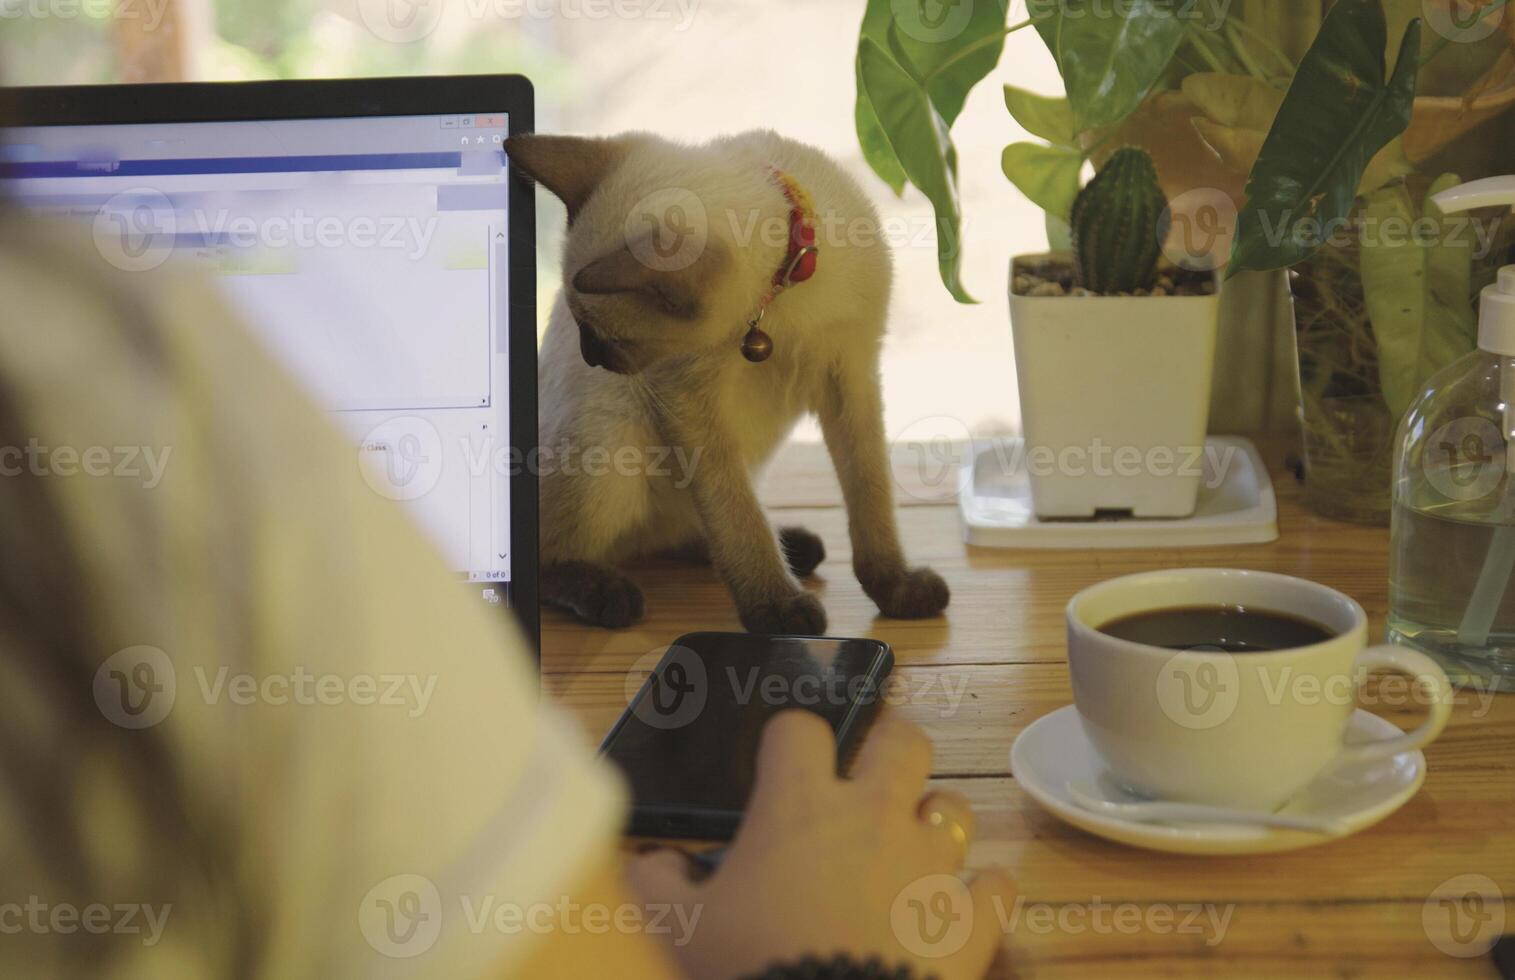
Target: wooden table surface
(1361, 906)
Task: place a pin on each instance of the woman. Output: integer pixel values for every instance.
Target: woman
(250, 727)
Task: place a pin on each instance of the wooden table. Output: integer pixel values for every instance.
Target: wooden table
(995, 663)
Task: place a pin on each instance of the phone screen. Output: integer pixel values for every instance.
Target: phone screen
(688, 741)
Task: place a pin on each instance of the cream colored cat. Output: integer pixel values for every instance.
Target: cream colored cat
(654, 416)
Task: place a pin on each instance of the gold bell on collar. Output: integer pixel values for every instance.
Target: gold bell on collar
(757, 346)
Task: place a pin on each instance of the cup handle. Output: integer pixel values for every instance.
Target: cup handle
(1426, 672)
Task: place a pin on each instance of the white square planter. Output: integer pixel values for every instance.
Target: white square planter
(1115, 399)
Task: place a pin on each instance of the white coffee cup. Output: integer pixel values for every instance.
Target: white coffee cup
(1243, 730)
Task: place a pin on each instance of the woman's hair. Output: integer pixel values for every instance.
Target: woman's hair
(48, 637)
(54, 637)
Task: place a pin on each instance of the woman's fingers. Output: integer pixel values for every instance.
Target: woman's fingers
(895, 760)
(797, 755)
(661, 877)
(949, 824)
(993, 894)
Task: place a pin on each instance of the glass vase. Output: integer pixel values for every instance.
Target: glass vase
(1347, 426)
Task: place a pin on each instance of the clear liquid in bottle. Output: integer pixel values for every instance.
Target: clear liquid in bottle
(1437, 559)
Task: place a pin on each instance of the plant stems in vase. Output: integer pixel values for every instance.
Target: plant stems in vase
(1347, 426)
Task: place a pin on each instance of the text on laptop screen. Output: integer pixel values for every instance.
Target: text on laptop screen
(370, 254)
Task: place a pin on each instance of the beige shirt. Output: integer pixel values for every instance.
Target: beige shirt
(252, 726)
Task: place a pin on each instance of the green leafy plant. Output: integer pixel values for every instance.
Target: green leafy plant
(1109, 61)
(1417, 289)
(1342, 108)
(1292, 109)
(919, 59)
(913, 81)
(914, 73)
(1116, 226)
(1377, 314)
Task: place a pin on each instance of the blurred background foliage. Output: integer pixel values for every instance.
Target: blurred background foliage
(266, 39)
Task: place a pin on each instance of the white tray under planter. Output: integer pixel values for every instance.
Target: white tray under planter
(1115, 395)
(1236, 505)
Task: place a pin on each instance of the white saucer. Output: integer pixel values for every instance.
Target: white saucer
(1054, 751)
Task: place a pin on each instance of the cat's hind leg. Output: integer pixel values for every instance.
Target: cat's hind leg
(598, 594)
(803, 550)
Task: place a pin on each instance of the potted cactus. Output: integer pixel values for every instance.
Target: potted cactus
(1115, 352)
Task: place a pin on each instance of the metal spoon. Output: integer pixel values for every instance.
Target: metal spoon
(1158, 812)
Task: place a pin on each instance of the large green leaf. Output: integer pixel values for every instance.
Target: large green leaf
(1109, 54)
(874, 143)
(1041, 115)
(950, 43)
(1048, 175)
(950, 46)
(1417, 272)
(1339, 112)
(870, 132)
(918, 136)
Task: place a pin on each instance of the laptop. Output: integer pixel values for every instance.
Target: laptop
(373, 234)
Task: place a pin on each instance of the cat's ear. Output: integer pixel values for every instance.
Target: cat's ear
(569, 166)
(635, 269)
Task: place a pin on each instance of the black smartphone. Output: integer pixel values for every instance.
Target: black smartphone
(688, 740)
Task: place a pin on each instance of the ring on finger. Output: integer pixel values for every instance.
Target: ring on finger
(937, 816)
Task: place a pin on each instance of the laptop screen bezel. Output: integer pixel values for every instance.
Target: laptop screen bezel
(191, 102)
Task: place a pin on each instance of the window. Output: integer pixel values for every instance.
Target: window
(689, 69)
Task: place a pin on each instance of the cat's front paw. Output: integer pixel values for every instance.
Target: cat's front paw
(800, 614)
(918, 593)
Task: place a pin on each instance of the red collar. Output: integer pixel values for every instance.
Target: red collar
(803, 257)
(800, 262)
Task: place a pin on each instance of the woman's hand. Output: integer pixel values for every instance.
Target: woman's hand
(865, 866)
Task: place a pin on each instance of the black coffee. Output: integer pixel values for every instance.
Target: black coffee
(1232, 629)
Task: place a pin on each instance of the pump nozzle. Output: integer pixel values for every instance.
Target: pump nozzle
(1487, 193)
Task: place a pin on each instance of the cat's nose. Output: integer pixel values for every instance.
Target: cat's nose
(599, 353)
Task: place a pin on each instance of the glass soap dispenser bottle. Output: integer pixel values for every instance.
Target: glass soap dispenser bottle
(1452, 541)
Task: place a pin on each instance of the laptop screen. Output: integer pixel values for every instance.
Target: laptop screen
(370, 255)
